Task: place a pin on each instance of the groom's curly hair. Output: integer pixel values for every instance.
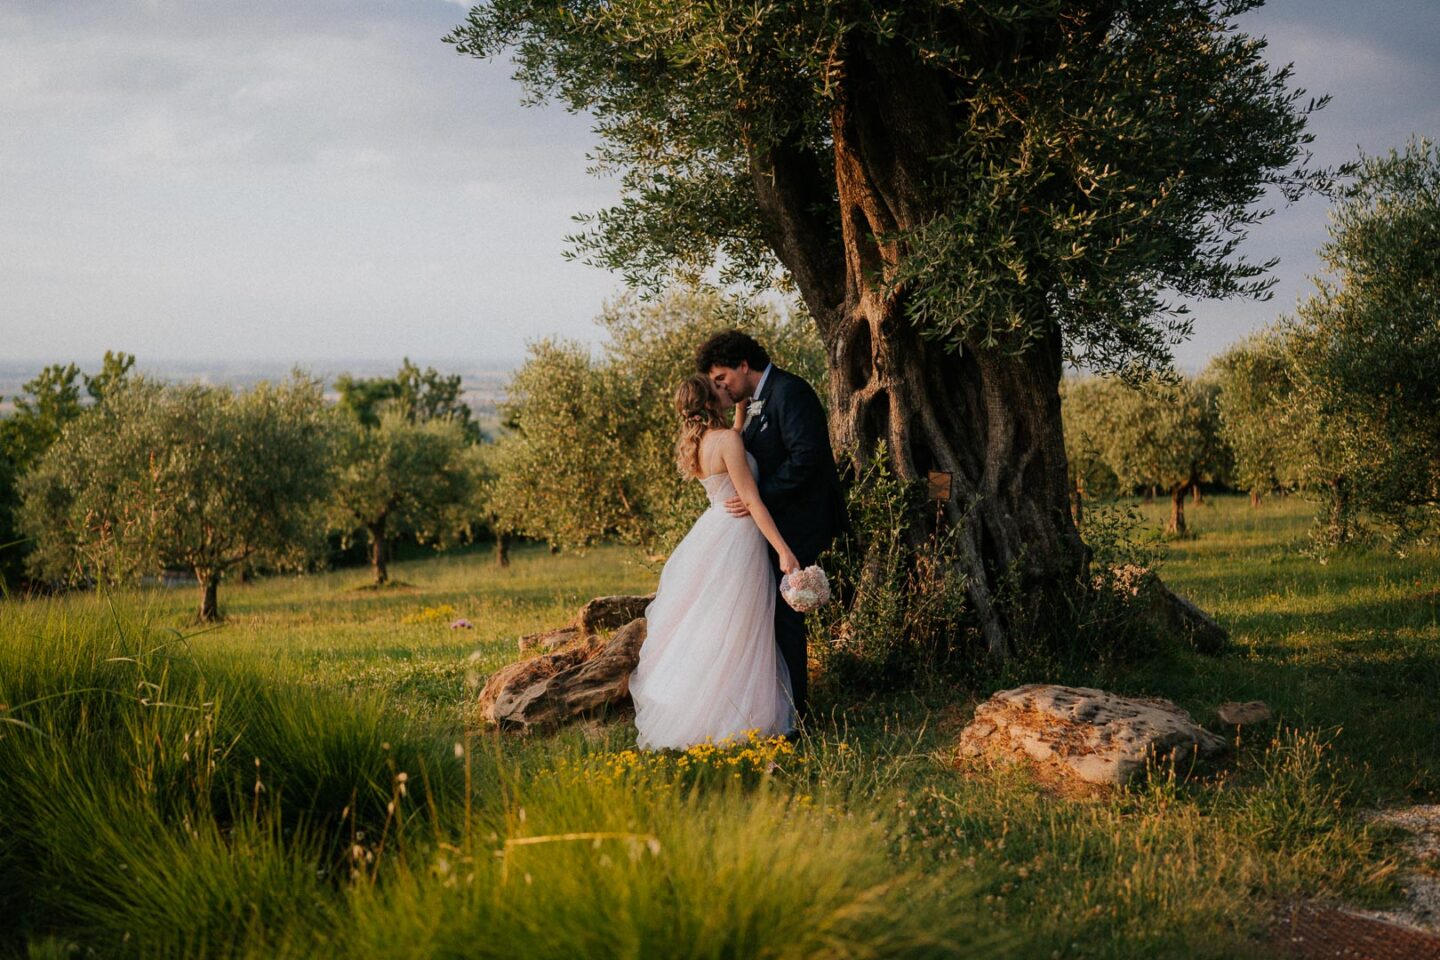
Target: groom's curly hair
(727, 349)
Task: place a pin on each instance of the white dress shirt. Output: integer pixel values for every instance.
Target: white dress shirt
(765, 375)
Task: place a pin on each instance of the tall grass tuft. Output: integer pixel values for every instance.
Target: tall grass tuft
(158, 804)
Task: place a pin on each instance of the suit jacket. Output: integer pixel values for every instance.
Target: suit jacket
(799, 485)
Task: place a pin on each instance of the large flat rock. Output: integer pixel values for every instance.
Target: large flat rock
(1084, 733)
(555, 688)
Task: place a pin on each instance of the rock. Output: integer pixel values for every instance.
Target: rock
(600, 614)
(523, 674)
(610, 613)
(1084, 733)
(1168, 612)
(554, 688)
(550, 640)
(1243, 714)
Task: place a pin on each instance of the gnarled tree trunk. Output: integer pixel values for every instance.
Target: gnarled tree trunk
(379, 552)
(1339, 510)
(209, 603)
(1177, 510)
(987, 417)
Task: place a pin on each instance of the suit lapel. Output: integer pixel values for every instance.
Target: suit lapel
(751, 427)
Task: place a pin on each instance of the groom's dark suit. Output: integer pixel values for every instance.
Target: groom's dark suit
(798, 483)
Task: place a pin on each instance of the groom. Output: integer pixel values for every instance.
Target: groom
(786, 433)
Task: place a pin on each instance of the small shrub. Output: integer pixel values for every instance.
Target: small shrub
(901, 603)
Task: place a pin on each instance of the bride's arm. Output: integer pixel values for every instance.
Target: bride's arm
(732, 452)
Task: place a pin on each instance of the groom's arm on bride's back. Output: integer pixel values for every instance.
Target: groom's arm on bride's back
(804, 435)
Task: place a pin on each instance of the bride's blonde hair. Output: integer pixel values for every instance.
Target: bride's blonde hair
(694, 402)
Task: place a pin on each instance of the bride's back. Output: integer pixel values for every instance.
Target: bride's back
(714, 477)
(711, 461)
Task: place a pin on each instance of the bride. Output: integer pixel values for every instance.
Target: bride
(709, 667)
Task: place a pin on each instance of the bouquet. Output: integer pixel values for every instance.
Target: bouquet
(806, 590)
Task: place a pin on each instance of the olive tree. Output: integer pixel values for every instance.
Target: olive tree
(485, 509)
(560, 470)
(1259, 417)
(1165, 433)
(1367, 341)
(964, 196)
(1086, 407)
(156, 476)
(49, 401)
(401, 477)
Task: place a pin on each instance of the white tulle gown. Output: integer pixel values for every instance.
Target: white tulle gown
(709, 667)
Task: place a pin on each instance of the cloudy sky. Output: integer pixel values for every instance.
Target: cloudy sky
(323, 179)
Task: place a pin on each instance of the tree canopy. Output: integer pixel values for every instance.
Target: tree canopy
(50, 400)
(417, 395)
(1068, 163)
(399, 478)
(1167, 434)
(1267, 431)
(1367, 341)
(192, 476)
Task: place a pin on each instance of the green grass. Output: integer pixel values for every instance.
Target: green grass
(237, 790)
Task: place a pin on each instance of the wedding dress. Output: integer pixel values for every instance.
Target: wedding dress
(709, 667)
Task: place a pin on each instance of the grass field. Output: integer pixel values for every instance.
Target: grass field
(302, 781)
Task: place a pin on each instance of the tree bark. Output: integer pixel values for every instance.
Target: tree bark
(379, 553)
(502, 549)
(1177, 510)
(1254, 497)
(1339, 510)
(1077, 504)
(209, 605)
(1199, 497)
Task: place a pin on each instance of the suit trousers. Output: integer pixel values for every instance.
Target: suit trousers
(790, 639)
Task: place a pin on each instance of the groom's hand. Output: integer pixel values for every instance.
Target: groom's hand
(736, 507)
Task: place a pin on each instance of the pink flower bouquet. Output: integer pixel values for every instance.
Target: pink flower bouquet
(806, 590)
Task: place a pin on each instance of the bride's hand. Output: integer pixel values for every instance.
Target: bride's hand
(788, 563)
